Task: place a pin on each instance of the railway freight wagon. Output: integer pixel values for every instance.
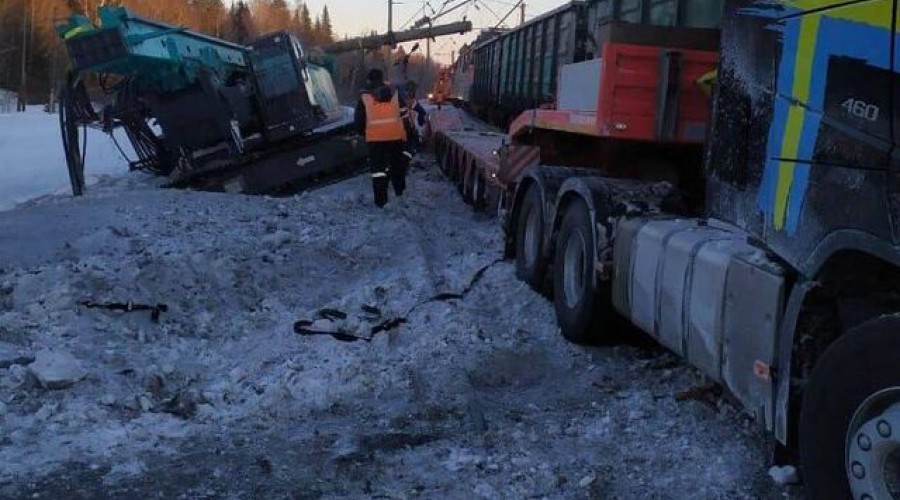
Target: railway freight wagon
(517, 70)
(523, 68)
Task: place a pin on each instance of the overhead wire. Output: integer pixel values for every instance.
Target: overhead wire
(443, 7)
(513, 9)
(488, 7)
(413, 17)
(444, 10)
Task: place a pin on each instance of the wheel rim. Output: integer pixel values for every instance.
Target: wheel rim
(531, 237)
(573, 269)
(873, 447)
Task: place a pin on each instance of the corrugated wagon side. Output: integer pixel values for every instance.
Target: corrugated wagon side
(518, 70)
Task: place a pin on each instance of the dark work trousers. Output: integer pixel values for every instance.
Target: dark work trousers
(387, 164)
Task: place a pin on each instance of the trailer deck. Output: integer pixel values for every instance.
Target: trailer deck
(480, 160)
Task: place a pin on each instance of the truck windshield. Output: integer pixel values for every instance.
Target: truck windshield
(702, 13)
(683, 13)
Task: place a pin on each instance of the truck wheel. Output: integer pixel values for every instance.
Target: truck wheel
(479, 192)
(850, 417)
(474, 191)
(530, 264)
(469, 185)
(444, 162)
(578, 303)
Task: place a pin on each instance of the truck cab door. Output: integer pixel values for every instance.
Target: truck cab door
(894, 177)
(854, 45)
(830, 143)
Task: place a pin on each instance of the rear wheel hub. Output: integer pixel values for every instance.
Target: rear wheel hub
(573, 269)
(873, 447)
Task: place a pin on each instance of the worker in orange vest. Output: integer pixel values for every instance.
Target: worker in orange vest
(380, 115)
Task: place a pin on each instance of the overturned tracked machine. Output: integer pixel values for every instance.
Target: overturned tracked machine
(203, 111)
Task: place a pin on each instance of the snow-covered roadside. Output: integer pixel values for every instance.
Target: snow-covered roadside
(477, 397)
(32, 162)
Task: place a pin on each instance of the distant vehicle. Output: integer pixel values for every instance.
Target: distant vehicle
(442, 88)
(452, 85)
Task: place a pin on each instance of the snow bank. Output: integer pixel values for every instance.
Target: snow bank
(221, 398)
(32, 162)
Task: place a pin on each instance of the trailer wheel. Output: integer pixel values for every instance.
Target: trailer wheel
(479, 192)
(444, 162)
(469, 185)
(458, 176)
(474, 190)
(578, 302)
(850, 416)
(530, 264)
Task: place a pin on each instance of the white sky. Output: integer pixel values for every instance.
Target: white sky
(355, 17)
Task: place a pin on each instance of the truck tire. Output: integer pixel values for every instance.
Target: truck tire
(578, 302)
(850, 416)
(530, 262)
(479, 192)
(444, 162)
(469, 185)
(475, 190)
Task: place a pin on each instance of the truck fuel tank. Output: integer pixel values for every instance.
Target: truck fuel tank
(705, 293)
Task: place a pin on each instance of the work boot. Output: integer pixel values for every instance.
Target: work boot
(380, 189)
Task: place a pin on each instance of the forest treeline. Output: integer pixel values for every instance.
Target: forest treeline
(29, 26)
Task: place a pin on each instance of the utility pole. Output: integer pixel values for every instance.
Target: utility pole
(390, 17)
(23, 98)
(522, 14)
(427, 77)
(390, 41)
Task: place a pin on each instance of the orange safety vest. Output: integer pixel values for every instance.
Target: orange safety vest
(383, 122)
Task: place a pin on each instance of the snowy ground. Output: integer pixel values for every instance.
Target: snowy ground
(477, 397)
(32, 163)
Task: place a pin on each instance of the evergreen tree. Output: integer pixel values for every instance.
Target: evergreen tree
(326, 31)
(295, 22)
(209, 16)
(282, 14)
(241, 23)
(317, 32)
(306, 24)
